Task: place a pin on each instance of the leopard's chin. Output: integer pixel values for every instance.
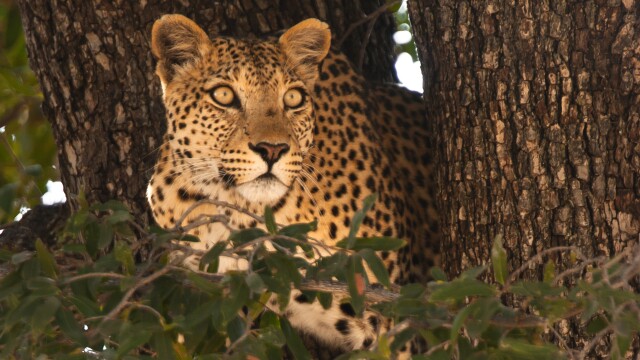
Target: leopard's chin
(266, 190)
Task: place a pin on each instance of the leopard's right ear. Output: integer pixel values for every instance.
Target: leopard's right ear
(176, 41)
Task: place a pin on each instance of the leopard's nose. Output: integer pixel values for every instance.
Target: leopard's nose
(270, 153)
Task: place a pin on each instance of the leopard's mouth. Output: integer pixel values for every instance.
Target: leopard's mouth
(265, 189)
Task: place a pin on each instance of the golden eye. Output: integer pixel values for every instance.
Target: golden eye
(223, 95)
(293, 98)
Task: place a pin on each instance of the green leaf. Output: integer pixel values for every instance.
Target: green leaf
(357, 220)
(119, 216)
(522, 349)
(99, 235)
(19, 258)
(377, 266)
(187, 238)
(482, 310)
(7, 196)
(131, 337)
(535, 289)
(47, 262)
(596, 324)
(33, 170)
(113, 205)
(293, 341)
(499, 260)
(383, 243)
(356, 282)
(213, 253)
(457, 323)
(87, 307)
(413, 291)
(70, 327)
(203, 284)
(393, 6)
(325, 299)
(438, 274)
(549, 272)
(299, 231)
(473, 272)
(255, 283)
(459, 289)
(162, 344)
(235, 328)
(44, 312)
(270, 220)
(124, 256)
(244, 236)
(621, 345)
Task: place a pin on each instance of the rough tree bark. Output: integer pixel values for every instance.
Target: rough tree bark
(96, 71)
(537, 110)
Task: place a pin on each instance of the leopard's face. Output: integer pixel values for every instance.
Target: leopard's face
(238, 116)
(239, 112)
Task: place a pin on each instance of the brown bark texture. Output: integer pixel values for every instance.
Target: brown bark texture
(96, 71)
(537, 109)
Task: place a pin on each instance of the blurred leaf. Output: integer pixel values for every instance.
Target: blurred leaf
(377, 266)
(357, 220)
(459, 289)
(162, 344)
(119, 216)
(21, 257)
(438, 274)
(270, 220)
(325, 299)
(213, 253)
(47, 262)
(124, 255)
(69, 326)
(7, 196)
(132, 336)
(596, 324)
(356, 283)
(549, 272)
(44, 312)
(299, 231)
(373, 243)
(293, 341)
(499, 260)
(621, 345)
(520, 349)
(244, 236)
(395, 7)
(255, 283)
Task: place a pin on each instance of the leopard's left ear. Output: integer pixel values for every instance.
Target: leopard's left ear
(176, 41)
(304, 46)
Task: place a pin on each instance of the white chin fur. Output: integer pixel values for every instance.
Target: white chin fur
(263, 191)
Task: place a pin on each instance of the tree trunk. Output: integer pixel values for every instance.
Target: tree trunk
(96, 71)
(537, 109)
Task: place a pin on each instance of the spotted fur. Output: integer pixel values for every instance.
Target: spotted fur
(320, 160)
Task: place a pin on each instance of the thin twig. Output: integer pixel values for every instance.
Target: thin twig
(125, 299)
(91, 275)
(372, 294)
(535, 259)
(372, 16)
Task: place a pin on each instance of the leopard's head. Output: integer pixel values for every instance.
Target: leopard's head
(240, 112)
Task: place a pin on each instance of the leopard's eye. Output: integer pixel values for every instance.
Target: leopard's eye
(223, 95)
(293, 98)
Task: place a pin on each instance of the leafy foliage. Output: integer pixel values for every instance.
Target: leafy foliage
(27, 149)
(90, 294)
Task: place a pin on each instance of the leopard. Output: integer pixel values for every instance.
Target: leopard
(289, 123)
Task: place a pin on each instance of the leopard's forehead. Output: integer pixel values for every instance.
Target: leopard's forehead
(259, 61)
